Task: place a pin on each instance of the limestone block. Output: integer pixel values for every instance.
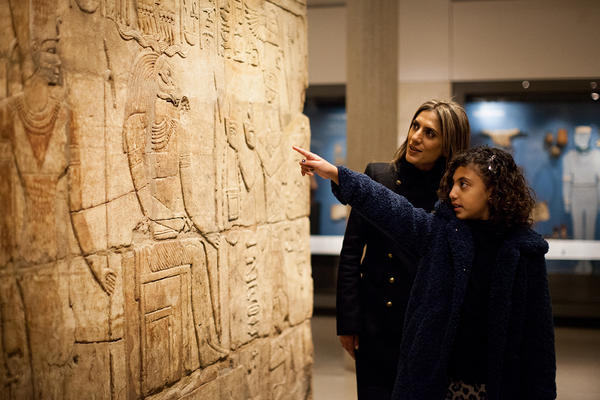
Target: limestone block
(255, 360)
(118, 176)
(207, 391)
(16, 370)
(86, 92)
(124, 215)
(247, 284)
(93, 174)
(50, 326)
(89, 302)
(297, 133)
(89, 373)
(276, 276)
(233, 385)
(201, 384)
(7, 221)
(96, 370)
(117, 300)
(170, 316)
(198, 181)
(90, 228)
(297, 269)
(290, 364)
(83, 51)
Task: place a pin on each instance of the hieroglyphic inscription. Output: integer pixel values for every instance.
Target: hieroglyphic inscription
(190, 17)
(154, 219)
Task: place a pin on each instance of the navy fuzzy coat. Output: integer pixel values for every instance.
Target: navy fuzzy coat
(521, 358)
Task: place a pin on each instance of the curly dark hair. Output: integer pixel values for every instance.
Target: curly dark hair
(511, 201)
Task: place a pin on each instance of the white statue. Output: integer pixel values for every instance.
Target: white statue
(581, 188)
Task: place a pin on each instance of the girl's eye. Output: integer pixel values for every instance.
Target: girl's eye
(415, 125)
(430, 133)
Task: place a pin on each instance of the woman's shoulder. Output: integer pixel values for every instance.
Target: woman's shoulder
(379, 168)
(381, 172)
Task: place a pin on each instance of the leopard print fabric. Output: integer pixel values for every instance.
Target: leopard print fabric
(458, 390)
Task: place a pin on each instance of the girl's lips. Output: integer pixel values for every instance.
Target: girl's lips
(413, 149)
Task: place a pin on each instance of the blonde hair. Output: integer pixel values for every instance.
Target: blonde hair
(456, 132)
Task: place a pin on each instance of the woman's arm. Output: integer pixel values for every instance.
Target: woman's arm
(348, 309)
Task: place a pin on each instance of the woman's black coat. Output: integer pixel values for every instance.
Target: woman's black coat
(372, 292)
(521, 357)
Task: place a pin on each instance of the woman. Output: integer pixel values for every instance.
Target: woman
(372, 292)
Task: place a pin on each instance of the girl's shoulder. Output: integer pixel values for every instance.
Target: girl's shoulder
(527, 240)
(442, 211)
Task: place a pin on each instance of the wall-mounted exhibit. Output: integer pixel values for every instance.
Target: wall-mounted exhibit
(154, 234)
(558, 146)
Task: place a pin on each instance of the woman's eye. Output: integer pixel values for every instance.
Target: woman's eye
(430, 134)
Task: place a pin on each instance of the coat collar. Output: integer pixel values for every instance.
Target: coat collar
(410, 174)
(521, 238)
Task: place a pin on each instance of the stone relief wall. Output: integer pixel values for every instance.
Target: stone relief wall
(154, 231)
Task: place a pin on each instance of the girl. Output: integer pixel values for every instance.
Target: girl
(479, 320)
(373, 291)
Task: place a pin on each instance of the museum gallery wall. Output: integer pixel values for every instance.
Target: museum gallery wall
(154, 238)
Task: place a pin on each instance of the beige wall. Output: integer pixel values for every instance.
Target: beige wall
(327, 45)
(533, 39)
(441, 41)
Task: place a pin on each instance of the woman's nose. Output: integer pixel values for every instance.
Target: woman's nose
(417, 136)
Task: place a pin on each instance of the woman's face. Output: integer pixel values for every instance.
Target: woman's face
(424, 142)
(469, 194)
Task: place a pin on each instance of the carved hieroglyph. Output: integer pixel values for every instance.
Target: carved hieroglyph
(154, 232)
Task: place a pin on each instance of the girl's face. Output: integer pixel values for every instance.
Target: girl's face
(424, 142)
(469, 194)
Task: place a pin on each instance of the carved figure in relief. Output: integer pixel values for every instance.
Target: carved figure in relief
(37, 144)
(243, 186)
(270, 151)
(297, 131)
(150, 132)
(174, 313)
(34, 122)
(296, 62)
(89, 6)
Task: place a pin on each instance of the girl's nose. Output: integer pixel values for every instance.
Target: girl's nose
(453, 195)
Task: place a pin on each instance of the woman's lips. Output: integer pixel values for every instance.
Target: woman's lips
(413, 149)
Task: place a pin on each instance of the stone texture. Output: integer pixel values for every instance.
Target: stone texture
(154, 233)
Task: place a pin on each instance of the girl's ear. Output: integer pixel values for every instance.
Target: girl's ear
(489, 192)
